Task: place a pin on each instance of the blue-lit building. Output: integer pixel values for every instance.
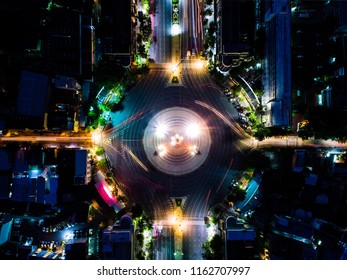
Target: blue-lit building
(239, 240)
(33, 178)
(117, 240)
(33, 99)
(277, 64)
(5, 228)
(42, 176)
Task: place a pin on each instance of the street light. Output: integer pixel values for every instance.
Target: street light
(175, 29)
(96, 137)
(193, 130)
(199, 64)
(161, 150)
(174, 68)
(193, 150)
(176, 140)
(161, 130)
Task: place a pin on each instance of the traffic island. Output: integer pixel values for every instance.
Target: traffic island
(177, 141)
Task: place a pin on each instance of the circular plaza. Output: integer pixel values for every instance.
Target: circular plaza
(177, 141)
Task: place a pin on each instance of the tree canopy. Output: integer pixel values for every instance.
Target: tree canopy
(109, 73)
(236, 194)
(213, 249)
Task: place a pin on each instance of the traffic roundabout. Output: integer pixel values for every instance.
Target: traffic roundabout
(176, 141)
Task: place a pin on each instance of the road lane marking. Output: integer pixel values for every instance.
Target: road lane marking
(225, 175)
(137, 160)
(220, 115)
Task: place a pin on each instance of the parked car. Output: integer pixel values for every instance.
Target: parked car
(227, 91)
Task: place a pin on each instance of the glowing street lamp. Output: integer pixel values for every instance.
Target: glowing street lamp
(173, 219)
(96, 137)
(176, 140)
(193, 150)
(193, 130)
(175, 29)
(174, 68)
(161, 130)
(161, 150)
(199, 64)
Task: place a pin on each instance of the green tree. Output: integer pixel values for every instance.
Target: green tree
(102, 164)
(108, 73)
(237, 194)
(213, 249)
(99, 151)
(137, 211)
(139, 38)
(141, 50)
(146, 3)
(237, 89)
(122, 198)
(140, 255)
(146, 31)
(258, 160)
(208, 12)
(140, 239)
(141, 17)
(258, 92)
(261, 131)
(212, 28)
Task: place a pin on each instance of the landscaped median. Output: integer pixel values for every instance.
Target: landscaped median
(175, 18)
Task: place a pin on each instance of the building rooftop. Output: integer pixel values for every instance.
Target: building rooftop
(33, 94)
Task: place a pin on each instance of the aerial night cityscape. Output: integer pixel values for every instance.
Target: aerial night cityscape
(173, 130)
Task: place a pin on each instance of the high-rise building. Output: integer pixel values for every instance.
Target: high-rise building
(72, 170)
(312, 26)
(236, 25)
(239, 240)
(116, 30)
(68, 48)
(277, 64)
(339, 59)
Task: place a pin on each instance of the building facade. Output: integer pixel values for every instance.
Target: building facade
(277, 64)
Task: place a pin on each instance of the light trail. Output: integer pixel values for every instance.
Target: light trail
(226, 174)
(187, 221)
(220, 115)
(137, 160)
(125, 122)
(238, 127)
(46, 138)
(206, 201)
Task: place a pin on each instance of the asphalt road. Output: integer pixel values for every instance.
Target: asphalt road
(160, 50)
(140, 175)
(153, 189)
(142, 179)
